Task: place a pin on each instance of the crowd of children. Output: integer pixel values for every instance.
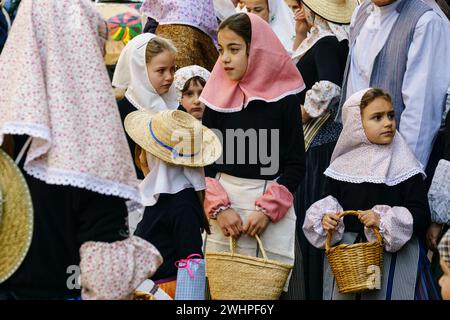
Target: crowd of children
(234, 119)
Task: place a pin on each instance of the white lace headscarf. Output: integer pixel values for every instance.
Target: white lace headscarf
(355, 159)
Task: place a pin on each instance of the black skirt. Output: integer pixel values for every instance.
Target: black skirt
(311, 190)
(65, 217)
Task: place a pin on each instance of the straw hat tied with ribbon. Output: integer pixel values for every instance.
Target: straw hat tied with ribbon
(174, 136)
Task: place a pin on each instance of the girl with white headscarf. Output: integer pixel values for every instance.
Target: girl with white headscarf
(145, 71)
(174, 183)
(54, 88)
(278, 15)
(373, 171)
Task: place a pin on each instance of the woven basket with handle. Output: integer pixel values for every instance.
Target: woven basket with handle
(233, 276)
(354, 265)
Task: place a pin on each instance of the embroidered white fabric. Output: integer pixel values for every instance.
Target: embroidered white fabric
(439, 194)
(312, 227)
(224, 9)
(318, 98)
(170, 179)
(62, 98)
(396, 227)
(184, 74)
(355, 159)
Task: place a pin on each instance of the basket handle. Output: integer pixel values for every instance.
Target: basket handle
(351, 213)
(233, 243)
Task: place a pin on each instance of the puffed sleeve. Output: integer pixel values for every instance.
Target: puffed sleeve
(396, 227)
(312, 227)
(216, 198)
(439, 194)
(113, 271)
(275, 202)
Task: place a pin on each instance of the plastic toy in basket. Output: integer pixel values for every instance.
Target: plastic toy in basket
(353, 264)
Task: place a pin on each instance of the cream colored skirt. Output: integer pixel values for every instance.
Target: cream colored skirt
(278, 239)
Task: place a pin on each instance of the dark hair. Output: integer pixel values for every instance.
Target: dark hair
(373, 94)
(240, 24)
(195, 80)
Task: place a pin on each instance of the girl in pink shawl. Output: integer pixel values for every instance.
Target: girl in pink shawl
(373, 170)
(252, 104)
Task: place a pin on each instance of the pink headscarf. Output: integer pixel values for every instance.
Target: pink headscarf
(54, 87)
(355, 159)
(270, 74)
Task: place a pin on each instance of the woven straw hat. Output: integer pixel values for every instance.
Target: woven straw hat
(16, 217)
(174, 136)
(337, 11)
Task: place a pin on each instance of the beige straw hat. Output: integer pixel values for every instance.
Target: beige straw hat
(16, 217)
(174, 136)
(337, 11)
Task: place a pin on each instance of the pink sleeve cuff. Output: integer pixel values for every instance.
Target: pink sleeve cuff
(216, 198)
(276, 202)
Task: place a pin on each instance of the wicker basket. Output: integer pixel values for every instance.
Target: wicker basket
(232, 276)
(353, 264)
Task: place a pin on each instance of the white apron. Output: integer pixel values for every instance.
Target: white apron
(278, 239)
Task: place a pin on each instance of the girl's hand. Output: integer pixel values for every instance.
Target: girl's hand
(301, 25)
(369, 218)
(230, 222)
(330, 222)
(256, 224)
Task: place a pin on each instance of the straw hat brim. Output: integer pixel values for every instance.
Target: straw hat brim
(333, 11)
(137, 126)
(16, 217)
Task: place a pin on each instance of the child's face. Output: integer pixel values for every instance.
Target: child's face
(190, 100)
(258, 7)
(293, 4)
(444, 281)
(378, 121)
(233, 54)
(161, 70)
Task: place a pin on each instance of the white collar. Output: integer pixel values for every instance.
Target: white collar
(379, 14)
(169, 179)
